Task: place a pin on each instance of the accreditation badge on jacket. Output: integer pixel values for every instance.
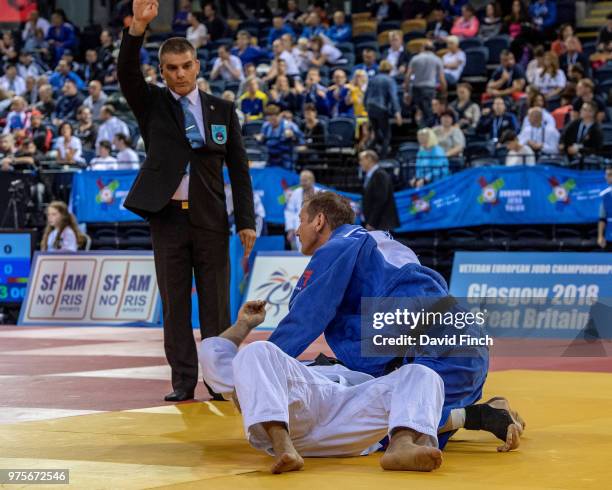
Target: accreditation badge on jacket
(219, 133)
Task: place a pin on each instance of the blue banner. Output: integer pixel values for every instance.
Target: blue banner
(503, 196)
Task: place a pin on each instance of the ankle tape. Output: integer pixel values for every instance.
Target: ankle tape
(485, 417)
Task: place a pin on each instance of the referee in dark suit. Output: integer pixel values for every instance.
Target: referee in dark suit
(379, 210)
(188, 136)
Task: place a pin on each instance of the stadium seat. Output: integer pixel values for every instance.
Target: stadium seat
(346, 47)
(365, 26)
(364, 38)
(496, 45)
(476, 65)
(603, 74)
(407, 151)
(409, 36)
(251, 128)
(393, 168)
(604, 88)
(556, 161)
(470, 42)
(217, 86)
(233, 86)
(589, 48)
(607, 133)
(412, 25)
(388, 25)
(341, 132)
(88, 155)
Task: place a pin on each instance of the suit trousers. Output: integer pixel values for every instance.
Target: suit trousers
(182, 251)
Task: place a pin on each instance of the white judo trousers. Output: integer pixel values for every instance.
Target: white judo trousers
(326, 412)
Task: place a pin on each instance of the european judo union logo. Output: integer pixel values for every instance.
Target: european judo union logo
(278, 289)
(106, 193)
(421, 204)
(489, 195)
(560, 195)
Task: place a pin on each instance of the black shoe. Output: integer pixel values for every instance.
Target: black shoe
(179, 396)
(217, 397)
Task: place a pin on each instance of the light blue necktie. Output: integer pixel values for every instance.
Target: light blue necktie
(191, 127)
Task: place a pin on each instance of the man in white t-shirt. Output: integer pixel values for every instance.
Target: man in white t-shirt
(227, 66)
(279, 51)
(126, 157)
(453, 60)
(518, 154)
(110, 126)
(104, 160)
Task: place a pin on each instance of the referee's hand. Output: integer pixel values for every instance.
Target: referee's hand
(247, 237)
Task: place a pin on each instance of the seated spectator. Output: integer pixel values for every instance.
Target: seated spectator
(105, 51)
(559, 46)
(17, 118)
(250, 71)
(67, 104)
(516, 22)
(61, 35)
(231, 97)
(62, 232)
(359, 86)
(69, 147)
(215, 25)
(64, 72)
(7, 152)
(181, 18)
(313, 26)
(536, 99)
(541, 138)
(110, 125)
(585, 92)
(450, 137)
(86, 129)
(468, 112)
(340, 31)
(454, 60)
(324, 53)
(27, 67)
(285, 97)
(280, 137)
(279, 27)
(397, 55)
(467, 24)
(582, 136)
(339, 96)
(508, 79)
(253, 101)
(292, 13)
(315, 93)
(31, 93)
(127, 158)
(245, 50)
(92, 69)
(302, 55)
(11, 82)
(383, 10)
(227, 66)
(39, 133)
(431, 161)
(313, 129)
(561, 114)
(494, 122)
(604, 38)
(491, 22)
(196, 34)
(96, 99)
(369, 62)
(535, 65)
(439, 106)
(518, 154)
(573, 56)
(280, 53)
(104, 160)
(550, 80)
(439, 26)
(35, 21)
(29, 155)
(543, 13)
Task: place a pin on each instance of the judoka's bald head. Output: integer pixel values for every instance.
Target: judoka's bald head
(320, 216)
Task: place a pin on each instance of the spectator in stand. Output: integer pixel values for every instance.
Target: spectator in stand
(508, 79)
(68, 146)
(105, 51)
(12, 82)
(559, 46)
(518, 154)
(279, 27)
(453, 7)
(454, 61)
(215, 25)
(379, 210)
(253, 101)
(17, 118)
(543, 14)
(536, 64)
(540, 137)
(7, 152)
(536, 99)
(278, 69)
(197, 34)
(468, 112)
(561, 114)
(46, 104)
(314, 132)
(302, 54)
(227, 66)
(385, 10)
(104, 160)
(359, 86)
(285, 97)
(315, 93)
(62, 73)
(494, 122)
(67, 104)
(450, 137)
(61, 35)
(585, 92)
(604, 226)
(92, 69)
(550, 80)
(27, 67)
(313, 26)
(31, 93)
(231, 97)
(439, 26)
(180, 23)
(280, 137)
(245, 50)
(431, 162)
(35, 21)
(127, 158)
(323, 52)
(86, 129)
(280, 53)
(397, 55)
(305, 191)
(604, 38)
(381, 102)
(250, 72)
(62, 233)
(573, 56)
(515, 22)
(8, 47)
(424, 72)
(96, 99)
(369, 62)
(339, 96)
(110, 125)
(39, 133)
(582, 136)
(293, 13)
(491, 24)
(467, 25)
(340, 31)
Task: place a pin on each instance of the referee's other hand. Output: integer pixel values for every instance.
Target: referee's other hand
(247, 237)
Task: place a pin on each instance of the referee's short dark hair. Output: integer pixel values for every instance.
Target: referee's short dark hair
(176, 45)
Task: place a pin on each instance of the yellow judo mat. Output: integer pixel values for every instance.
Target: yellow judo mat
(200, 445)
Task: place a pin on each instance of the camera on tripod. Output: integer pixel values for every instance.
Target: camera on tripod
(19, 209)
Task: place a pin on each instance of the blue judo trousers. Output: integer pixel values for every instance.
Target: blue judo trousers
(356, 264)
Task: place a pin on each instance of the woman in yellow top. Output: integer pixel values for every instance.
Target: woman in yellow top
(358, 87)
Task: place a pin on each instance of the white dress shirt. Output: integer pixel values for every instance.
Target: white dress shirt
(195, 106)
(224, 73)
(19, 85)
(546, 134)
(110, 128)
(128, 159)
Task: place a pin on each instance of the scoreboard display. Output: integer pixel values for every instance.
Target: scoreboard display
(15, 256)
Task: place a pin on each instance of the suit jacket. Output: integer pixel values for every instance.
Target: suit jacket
(161, 121)
(592, 141)
(378, 202)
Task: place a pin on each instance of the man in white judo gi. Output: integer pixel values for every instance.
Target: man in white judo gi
(293, 411)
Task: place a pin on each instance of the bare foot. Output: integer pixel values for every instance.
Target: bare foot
(404, 455)
(290, 461)
(513, 439)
